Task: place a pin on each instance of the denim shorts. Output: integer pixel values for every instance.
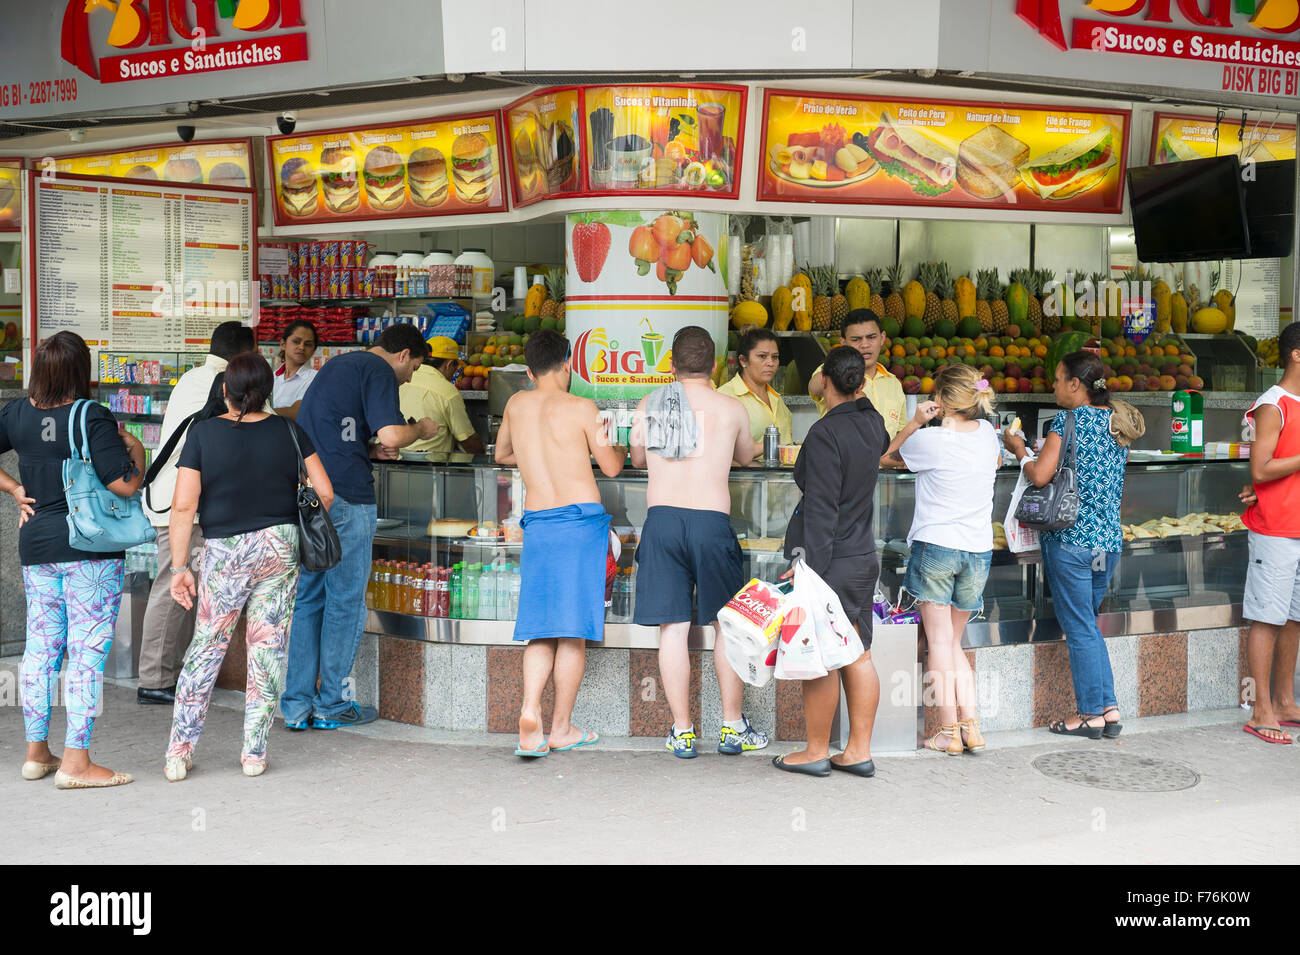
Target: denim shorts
(942, 575)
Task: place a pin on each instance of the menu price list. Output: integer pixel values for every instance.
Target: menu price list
(139, 267)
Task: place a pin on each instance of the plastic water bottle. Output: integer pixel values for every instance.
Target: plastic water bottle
(631, 593)
(503, 593)
(469, 587)
(487, 593)
(515, 581)
(457, 582)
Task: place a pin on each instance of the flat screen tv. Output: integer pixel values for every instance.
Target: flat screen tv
(1189, 211)
(1270, 208)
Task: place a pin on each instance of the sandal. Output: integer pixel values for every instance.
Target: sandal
(1083, 729)
(971, 737)
(953, 731)
(1113, 727)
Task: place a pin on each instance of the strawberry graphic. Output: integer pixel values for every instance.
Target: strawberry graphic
(591, 242)
(791, 623)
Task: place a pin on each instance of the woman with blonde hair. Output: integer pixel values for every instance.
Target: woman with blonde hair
(951, 539)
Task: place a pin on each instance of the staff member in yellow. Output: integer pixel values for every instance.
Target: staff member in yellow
(861, 331)
(759, 358)
(430, 394)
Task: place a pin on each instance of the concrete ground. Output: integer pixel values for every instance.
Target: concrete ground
(394, 793)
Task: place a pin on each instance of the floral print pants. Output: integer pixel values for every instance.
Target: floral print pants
(256, 572)
(71, 608)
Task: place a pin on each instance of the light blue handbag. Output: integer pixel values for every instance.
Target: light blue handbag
(98, 520)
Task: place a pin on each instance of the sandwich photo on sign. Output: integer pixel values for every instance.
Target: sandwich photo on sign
(1073, 168)
(471, 163)
(988, 163)
(183, 170)
(227, 174)
(298, 191)
(918, 160)
(338, 174)
(141, 171)
(1173, 149)
(426, 171)
(385, 179)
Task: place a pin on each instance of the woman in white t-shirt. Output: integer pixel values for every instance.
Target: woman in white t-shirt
(951, 539)
(293, 377)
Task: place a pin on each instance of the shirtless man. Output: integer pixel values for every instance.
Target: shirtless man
(551, 436)
(688, 548)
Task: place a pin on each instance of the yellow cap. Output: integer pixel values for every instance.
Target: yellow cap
(441, 347)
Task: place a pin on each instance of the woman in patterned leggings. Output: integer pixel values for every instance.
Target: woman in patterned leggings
(72, 595)
(240, 471)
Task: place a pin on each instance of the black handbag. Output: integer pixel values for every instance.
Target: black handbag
(318, 542)
(1055, 506)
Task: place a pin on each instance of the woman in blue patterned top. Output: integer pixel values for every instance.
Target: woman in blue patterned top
(1080, 560)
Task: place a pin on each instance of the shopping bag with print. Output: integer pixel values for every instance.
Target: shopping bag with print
(1020, 538)
(750, 624)
(837, 639)
(798, 655)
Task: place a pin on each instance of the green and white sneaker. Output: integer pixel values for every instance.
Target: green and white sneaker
(681, 745)
(741, 741)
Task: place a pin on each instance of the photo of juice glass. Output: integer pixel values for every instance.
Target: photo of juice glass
(652, 348)
(710, 117)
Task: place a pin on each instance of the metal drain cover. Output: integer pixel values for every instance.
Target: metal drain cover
(1117, 771)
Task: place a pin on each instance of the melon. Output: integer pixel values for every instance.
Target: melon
(914, 327)
(969, 327)
(1209, 321)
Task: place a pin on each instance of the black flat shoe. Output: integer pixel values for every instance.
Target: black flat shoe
(1083, 729)
(167, 695)
(866, 768)
(821, 767)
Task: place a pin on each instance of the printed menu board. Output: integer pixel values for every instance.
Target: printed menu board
(841, 148)
(1176, 138)
(663, 139)
(11, 212)
(136, 266)
(224, 163)
(1256, 289)
(446, 166)
(543, 145)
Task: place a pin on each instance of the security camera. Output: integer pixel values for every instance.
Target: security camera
(287, 122)
(186, 133)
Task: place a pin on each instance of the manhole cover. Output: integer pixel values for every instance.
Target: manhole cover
(1117, 771)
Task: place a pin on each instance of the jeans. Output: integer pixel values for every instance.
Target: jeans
(329, 616)
(1078, 577)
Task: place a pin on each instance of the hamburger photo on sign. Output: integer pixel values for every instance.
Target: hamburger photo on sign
(472, 167)
(385, 177)
(298, 191)
(338, 174)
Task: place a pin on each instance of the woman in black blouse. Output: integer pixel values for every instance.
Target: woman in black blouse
(240, 472)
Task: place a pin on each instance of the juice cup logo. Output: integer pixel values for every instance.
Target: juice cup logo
(599, 359)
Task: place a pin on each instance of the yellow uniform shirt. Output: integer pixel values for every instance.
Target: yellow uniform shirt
(430, 395)
(760, 415)
(885, 392)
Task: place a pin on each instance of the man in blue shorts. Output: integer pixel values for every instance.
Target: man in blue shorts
(551, 436)
(687, 435)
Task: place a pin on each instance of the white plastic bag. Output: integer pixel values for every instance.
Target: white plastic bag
(799, 655)
(838, 641)
(750, 624)
(1019, 537)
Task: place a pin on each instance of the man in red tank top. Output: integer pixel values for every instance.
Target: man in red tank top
(1272, 598)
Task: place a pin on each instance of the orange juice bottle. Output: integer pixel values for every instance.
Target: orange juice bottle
(401, 587)
(385, 585)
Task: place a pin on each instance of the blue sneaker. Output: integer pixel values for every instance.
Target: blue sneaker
(681, 745)
(745, 741)
(297, 725)
(355, 715)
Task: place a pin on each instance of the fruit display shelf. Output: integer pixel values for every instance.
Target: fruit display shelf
(1149, 399)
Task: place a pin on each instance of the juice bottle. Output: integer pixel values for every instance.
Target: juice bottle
(455, 590)
(469, 591)
(385, 586)
(487, 593)
(503, 593)
(443, 591)
(429, 599)
(515, 581)
(398, 599)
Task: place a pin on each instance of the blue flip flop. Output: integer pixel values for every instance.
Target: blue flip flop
(537, 753)
(588, 738)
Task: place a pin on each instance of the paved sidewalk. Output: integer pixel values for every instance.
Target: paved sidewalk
(392, 793)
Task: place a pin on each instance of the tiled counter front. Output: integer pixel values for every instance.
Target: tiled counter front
(477, 688)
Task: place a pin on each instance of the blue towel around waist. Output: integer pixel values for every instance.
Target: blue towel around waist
(562, 569)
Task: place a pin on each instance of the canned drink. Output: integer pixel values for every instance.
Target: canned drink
(346, 254)
(345, 283)
(368, 283)
(332, 253)
(293, 256)
(771, 445)
(360, 252)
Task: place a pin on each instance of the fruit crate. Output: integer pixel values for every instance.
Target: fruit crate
(1223, 362)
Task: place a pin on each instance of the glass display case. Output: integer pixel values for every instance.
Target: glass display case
(448, 545)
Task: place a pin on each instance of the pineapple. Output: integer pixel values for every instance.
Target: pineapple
(839, 301)
(876, 279)
(824, 286)
(987, 285)
(930, 276)
(1098, 308)
(555, 286)
(1041, 278)
(1001, 313)
(894, 301)
(948, 293)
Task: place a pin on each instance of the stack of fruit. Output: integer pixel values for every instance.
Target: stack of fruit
(499, 351)
(1158, 364)
(543, 307)
(1269, 353)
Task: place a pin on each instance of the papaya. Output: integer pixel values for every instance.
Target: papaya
(858, 293)
(965, 298)
(1017, 304)
(534, 300)
(782, 312)
(1225, 303)
(1178, 312)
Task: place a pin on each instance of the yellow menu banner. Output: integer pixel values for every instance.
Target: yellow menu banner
(212, 163)
(544, 145)
(840, 148)
(1176, 138)
(11, 191)
(446, 166)
(664, 138)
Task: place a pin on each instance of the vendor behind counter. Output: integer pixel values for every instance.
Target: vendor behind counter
(430, 394)
(759, 358)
